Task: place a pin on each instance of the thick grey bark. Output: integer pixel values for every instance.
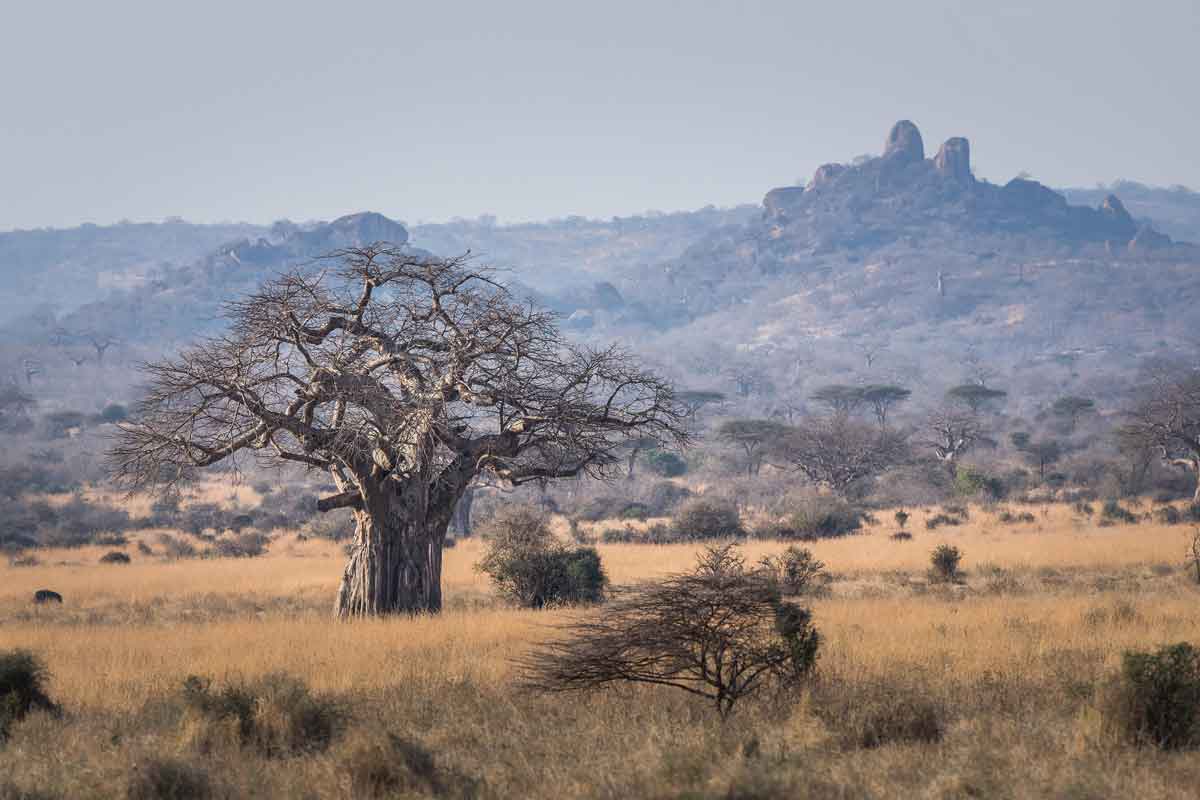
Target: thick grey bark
(462, 512)
(395, 566)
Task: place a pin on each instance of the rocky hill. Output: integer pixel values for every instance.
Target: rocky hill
(905, 266)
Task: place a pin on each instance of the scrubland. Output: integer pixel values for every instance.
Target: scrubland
(984, 688)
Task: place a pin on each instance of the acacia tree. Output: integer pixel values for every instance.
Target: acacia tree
(975, 397)
(1070, 408)
(841, 399)
(837, 452)
(754, 436)
(883, 398)
(404, 378)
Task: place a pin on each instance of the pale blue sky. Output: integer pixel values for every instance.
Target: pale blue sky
(528, 110)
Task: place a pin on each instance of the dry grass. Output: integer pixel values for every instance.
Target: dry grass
(1011, 658)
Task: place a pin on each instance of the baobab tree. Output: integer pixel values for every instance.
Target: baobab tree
(1167, 417)
(404, 378)
(950, 432)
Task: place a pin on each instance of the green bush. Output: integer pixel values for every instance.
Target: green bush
(823, 517)
(1156, 700)
(970, 481)
(702, 518)
(23, 679)
(944, 561)
(529, 565)
(276, 715)
(161, 778)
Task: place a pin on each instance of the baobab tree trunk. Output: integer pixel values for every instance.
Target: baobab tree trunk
(462, 512)
(395, 566)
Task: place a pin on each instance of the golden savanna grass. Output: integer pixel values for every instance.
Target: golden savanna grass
(1011, 659)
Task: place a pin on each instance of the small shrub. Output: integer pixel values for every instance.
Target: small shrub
(944, 563)
(11, 791)
(876, 714)
(721, 631)
(1084, 508)
(527, 564)
(276, 715)
(24, 560)
(665, 496)
(115, 557)
(144, 549)
(23, 679)
(901, 518)
(901, 536)
(665, 463)
(1156, 699)
(636, 511)
(1168, 515)
(176, 548)
(162, 778)
(938, 520)
(1114, 512)
(824, 517)
(701, 518)
(795, 570)
(249, 544)
(387, 765)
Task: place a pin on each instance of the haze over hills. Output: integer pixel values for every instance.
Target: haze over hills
(907, 253)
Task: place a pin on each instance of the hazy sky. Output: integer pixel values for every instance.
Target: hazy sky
(256, 111)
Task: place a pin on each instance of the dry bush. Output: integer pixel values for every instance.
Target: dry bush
(382, 764)
(721, 632)
(175, 547)
(276, 715)
(879, 712)
(23, 679)
(796, 570)
(161, 778)
(115, 557)
(247, 544)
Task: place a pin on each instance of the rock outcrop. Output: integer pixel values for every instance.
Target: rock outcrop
(1148, 240)
(953, 160)
(825, 174)
(904, 143)
(1114, 210)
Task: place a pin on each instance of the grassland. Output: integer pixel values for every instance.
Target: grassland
(1005, 667)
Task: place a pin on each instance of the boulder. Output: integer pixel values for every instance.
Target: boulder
(1114, 209)
(953, 160)
(904, 143)
(825, 174)
(779, 200)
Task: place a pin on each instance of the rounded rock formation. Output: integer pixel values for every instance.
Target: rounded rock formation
(904, 143)
(953, 160)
